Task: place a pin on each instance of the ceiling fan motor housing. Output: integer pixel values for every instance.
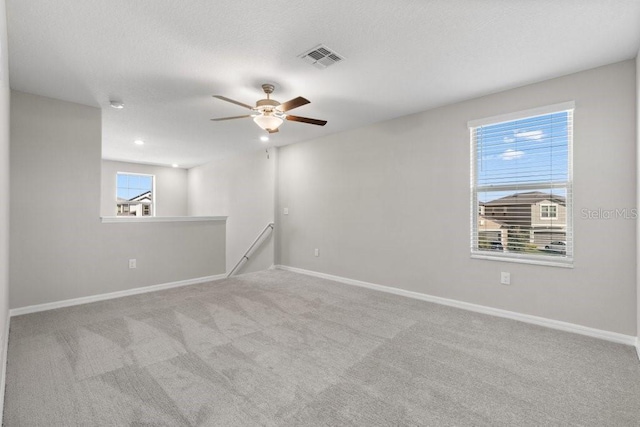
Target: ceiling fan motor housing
(266, 104)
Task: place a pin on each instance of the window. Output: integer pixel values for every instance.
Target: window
(135, 194)
(548, 211)
(521, 186)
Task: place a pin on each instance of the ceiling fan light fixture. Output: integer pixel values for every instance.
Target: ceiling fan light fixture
(268, 122)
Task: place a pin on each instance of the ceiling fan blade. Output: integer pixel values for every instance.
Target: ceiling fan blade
(307, 120)
(230, 118)
(272, 130)
(293, 103)
(224, 98)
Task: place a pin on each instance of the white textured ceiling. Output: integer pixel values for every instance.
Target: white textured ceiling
(164, 59)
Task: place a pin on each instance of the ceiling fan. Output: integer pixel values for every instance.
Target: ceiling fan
(269, 114)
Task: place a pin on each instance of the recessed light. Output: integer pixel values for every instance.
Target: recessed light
(264, 138)
(174, 165)
(138, 142)
(117, 105)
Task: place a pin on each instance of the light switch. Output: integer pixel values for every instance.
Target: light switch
(505, 278)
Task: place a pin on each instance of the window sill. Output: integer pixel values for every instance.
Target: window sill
(544, 261)
(128, 219)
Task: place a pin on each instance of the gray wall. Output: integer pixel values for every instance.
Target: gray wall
(389, 204)
(171, 187)
(638, 196)
(242, 188)
(59, 249)
(4, 182)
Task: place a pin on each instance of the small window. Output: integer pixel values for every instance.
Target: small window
(548, 211)
(521, 180)
(135, 194)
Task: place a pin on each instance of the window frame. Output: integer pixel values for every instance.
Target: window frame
(538, 259)
(549, 206)
(153, 195)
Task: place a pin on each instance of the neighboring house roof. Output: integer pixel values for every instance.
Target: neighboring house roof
(144, 197)
(530, 197)
(139, 197)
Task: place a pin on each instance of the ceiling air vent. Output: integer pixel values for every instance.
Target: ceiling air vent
(321, 57)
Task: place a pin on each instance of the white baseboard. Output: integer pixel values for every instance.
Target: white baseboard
(111, 295)
(3, 375)
(526, 318)
(638, 346)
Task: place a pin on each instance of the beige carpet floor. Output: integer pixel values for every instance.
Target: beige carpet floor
(279, 348)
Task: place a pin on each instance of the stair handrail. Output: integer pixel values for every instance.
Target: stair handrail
(245, 256)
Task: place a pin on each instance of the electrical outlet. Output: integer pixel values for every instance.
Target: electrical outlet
(286, 211)
(505, 278)
(132, 263)
(316, 252)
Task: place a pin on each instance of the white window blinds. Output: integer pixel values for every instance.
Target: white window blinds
(521, 176)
